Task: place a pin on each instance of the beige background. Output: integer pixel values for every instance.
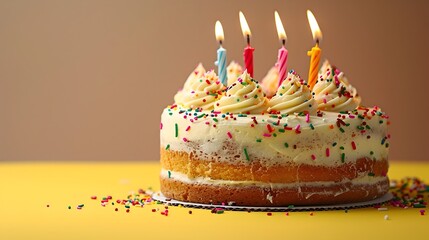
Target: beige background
(87, 80)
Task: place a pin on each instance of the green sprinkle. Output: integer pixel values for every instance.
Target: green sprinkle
(381, 121)
(170, 113)
(242, 115)
(360, 116)
(419, 205)
(127, 206)
(168, 147)
(334, 144)
(342, 130)
(256, 96)
(343, 157)
(274, 134)
(387, 145)
(281, 130)
(371, 174)
(169, 174)
(246, 154)
(342, 148)
(290, 206)
(372, 153)
(311, 126)
(177, 129)
(286, 145)
(215, 119)
(202, 115)
(273, 116)
(259, 140)
(360, 128)
(347, 124)
(367, 127)
(238, 99)
(69, 207)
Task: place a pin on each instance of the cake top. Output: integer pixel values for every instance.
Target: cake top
(332, 92)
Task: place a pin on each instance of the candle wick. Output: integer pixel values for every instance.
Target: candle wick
(283, 42)
(317, 41)
(248, 39)
(220, 43)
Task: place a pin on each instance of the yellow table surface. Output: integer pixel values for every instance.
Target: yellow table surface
(27, 188)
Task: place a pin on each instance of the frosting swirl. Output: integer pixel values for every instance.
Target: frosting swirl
(203, 93)
(270, 82)
(333, 92)
(243, 96)
(194, 76)
(293, 96)
(234, 70)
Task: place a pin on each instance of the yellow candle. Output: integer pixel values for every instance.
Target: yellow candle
(315, 52)
(314, 55)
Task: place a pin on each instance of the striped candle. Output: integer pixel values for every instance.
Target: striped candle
(315, 52)
(283, 53)
(221, 54)
(248, 51)
(221, 64)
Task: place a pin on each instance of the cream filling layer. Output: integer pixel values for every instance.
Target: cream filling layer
(178, 176)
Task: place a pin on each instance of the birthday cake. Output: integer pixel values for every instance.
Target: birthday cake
(234, 145)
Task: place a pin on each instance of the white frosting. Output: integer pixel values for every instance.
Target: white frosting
(293, 96)
(211, 135)
(333, 92)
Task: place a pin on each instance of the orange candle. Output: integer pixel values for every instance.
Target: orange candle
(315, 52)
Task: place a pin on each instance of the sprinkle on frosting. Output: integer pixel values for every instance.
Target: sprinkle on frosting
(243, 96)
(293, 96)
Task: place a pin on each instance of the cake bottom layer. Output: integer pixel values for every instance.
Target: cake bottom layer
(254, 195)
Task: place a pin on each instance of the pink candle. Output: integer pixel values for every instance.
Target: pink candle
(248, 51)
(282, 64)
(283, 53)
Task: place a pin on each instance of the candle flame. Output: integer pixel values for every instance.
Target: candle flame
(279, 25)
(315, 29)
(219, 31)
(244, 26)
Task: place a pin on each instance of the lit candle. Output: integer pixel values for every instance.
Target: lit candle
(282, 56)
(248, 50)
(221, 54)
(315, 52)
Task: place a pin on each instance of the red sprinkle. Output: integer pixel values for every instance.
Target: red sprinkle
(327, 152)
(354, 145)
(270, 129)
(269, 214)
(229, 134)
(189, 127)
(207, 81)
(185, 140)
(313, 157)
